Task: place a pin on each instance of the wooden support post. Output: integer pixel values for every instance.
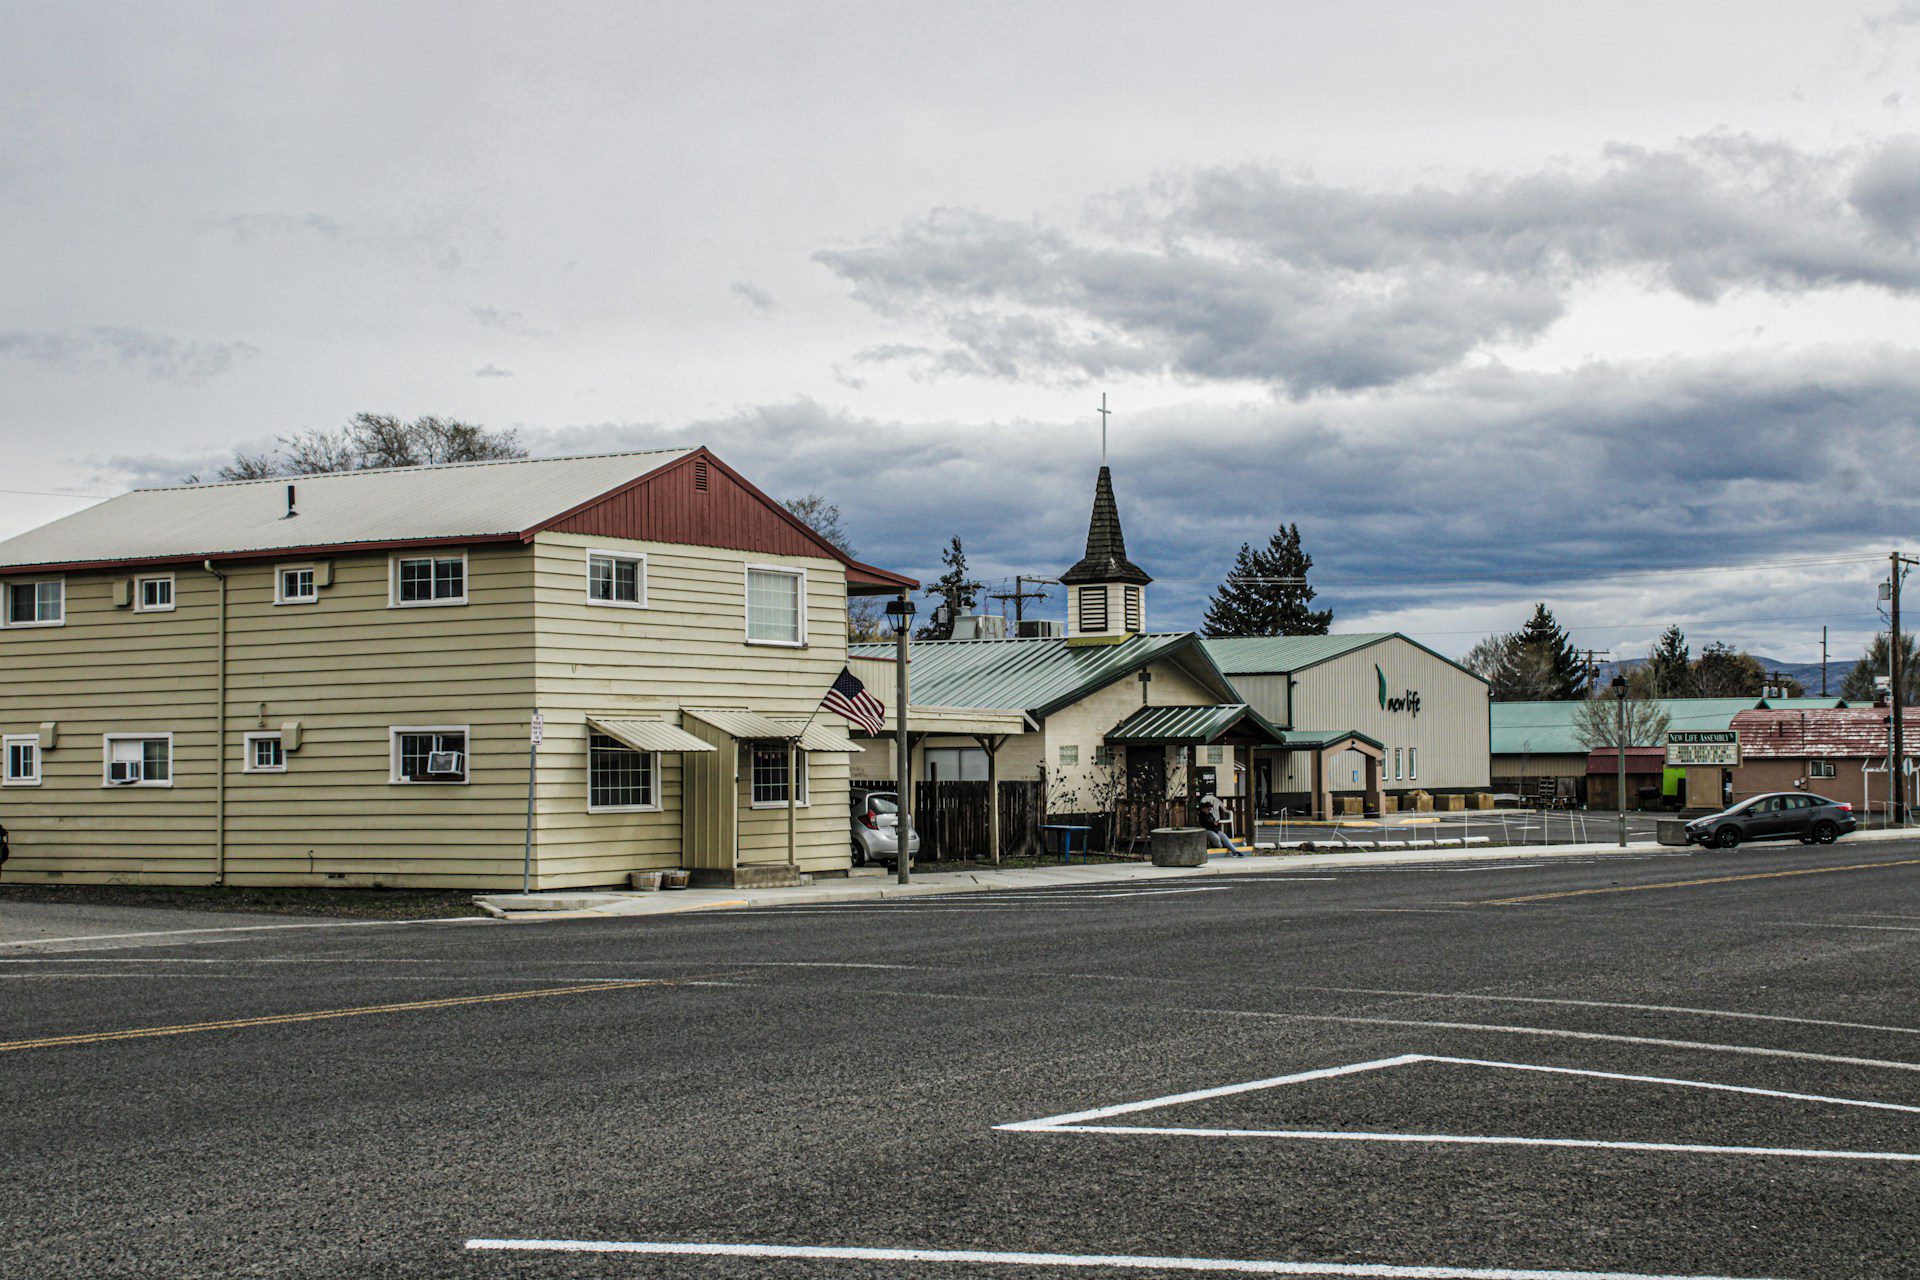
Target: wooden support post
(990, 743)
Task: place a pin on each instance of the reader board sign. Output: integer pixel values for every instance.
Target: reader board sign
(1705, 747)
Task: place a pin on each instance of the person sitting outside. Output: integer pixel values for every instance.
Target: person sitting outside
(1213, 817)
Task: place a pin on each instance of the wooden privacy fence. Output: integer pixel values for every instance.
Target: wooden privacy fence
(951, 817)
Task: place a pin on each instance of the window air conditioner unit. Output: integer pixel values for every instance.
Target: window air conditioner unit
(446, 762)
(123, 772)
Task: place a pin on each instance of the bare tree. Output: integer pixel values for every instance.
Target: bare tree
(373, 441)
(1597, 723)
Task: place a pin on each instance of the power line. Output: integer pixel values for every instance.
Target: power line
(48, 493)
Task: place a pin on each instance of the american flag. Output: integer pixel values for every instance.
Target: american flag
(850, 698)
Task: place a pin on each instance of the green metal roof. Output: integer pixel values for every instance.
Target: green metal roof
(1038, 676)
(1548, 728)
(1191, 725)
(1259, 655)
(1321, 737)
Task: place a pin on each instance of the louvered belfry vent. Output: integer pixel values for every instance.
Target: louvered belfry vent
(699, 475)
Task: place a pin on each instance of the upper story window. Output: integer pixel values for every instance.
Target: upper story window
(617, 578)
(35, 604)
(776, 605)
(430, 754)
(295, 584)
(138, 759)
(426, 580)
(153, 594)
(1093, 609)
(22, 761)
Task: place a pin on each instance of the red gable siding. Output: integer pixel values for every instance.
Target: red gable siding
(670, 505)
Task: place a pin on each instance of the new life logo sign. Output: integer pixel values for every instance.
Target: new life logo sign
(1408, 701)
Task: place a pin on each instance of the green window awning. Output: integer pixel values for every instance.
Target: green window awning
(1195, 726)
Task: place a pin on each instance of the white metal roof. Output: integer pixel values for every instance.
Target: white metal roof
(752, 726)
(400, 504)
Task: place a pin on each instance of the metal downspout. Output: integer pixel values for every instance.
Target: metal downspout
(220, 739)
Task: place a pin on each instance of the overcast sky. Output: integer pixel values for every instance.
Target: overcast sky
(1499, 301)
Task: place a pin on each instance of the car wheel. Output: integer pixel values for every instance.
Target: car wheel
(1825, 832)
(859, 854)
(1726, 838)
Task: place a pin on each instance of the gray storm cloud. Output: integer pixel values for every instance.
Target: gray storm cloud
(1248, 273)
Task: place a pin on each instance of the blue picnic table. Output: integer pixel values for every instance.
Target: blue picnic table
(1066, 831)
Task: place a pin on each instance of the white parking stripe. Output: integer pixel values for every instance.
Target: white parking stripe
(1610, 1004)
(1138, 1262)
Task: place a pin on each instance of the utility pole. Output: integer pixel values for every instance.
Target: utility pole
(1896, 766)
(1823, 662)
(900, 618)
(1620, 692)
(1592, 668)
(1020, 595)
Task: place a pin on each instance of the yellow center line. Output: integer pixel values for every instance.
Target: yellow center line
(1687, 884)
(277, 1019)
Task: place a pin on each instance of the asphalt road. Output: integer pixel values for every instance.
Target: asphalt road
(1697, 1064)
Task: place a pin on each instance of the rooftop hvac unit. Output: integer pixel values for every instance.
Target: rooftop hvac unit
(1042, 629)
(453, 762)
(979, 626)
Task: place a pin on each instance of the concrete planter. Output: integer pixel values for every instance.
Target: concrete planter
(1178, 846)
(1671, 831)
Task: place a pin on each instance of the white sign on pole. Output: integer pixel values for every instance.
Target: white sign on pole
(539, 728)
(1719, 747)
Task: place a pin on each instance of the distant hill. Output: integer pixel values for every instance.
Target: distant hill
(1807, 673)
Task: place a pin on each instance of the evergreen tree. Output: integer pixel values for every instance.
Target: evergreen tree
(1858, 687)
(1514, 670)
(1669, 667)
(1565, 673)
(954, 591)
(1266, 594)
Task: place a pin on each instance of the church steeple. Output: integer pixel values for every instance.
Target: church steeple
(1105, 590)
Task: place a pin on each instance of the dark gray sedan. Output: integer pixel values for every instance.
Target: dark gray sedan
(1783, 815)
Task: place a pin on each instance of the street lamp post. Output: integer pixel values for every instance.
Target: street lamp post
(900, 617)
(1619, 687)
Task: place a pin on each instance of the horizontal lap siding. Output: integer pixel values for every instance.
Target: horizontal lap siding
(346, 668)
(111, 670)
(686, 648)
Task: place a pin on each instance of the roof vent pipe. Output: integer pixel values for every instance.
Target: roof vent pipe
(291, 513)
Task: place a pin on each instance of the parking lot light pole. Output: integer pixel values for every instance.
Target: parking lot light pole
(900, 616)
(1619, 687)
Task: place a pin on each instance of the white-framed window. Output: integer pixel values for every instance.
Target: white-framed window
(1820, 769)
(1413, 763)
(22, 760)
(265, 754)
(428, 580)
(617, 579)
(39, 603)
(1069, 756)
(429, 754)
(776, 605)
(954, 764)
(619, 778)
(1103, 756)
(1396, 764)
(153, 593)
(295, 584)
(767, 762)
(1215, 756)
(136, 760)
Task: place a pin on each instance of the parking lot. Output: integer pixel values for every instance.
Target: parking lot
(1686, 1064)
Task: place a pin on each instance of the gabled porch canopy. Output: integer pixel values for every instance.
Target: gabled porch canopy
(1233, 723)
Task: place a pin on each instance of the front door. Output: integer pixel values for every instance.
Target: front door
(1147, 773)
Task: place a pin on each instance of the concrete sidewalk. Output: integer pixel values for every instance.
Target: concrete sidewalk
(593, 903)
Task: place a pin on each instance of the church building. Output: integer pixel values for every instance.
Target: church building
(1129, 726)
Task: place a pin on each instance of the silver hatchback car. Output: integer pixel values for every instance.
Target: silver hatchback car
(876, 834)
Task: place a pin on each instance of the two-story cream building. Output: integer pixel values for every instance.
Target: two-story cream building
(334, 680)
